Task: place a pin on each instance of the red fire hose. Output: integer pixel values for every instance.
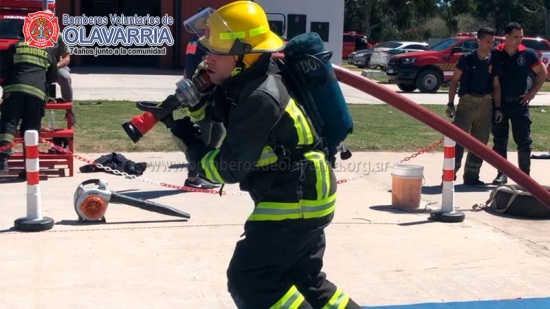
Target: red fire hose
(445, 127)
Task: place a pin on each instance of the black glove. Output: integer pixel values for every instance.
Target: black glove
(450, 111)
(163, 112)
(497, 115)
(188, 137)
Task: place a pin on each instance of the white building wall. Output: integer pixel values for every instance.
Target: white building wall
(331, 11)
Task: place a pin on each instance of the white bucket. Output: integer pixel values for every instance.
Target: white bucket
(407, 185)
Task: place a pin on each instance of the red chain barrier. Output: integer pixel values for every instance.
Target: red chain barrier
(10, 145)
(116, 172)
(423, 150)
(167, 185)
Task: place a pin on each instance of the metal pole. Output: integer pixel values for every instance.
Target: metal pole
(44, 5)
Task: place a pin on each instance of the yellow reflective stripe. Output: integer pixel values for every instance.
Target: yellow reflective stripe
(267, 157)
(242, 34)
(6, 137)
(305, 136)
(305, 209)
(338, 301)
(197, 115)
(232, 35)
(257, 31)
(322, 182)
(26, 89)
(291, 300)
(208, 164)
(31, 59)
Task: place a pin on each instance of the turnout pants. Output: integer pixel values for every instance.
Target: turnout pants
(211, 134)
(520, 118)
(473, 115)
(17, 107)
(278, 265)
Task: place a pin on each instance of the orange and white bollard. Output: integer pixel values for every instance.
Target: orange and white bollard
(34, 221)
(447, 213)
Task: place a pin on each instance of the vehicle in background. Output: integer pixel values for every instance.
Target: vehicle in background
(541, 46)
(361, 58)
(384, 51)
(428, 70)
(351, 42)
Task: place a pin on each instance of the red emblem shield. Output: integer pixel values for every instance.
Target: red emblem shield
(41, 29)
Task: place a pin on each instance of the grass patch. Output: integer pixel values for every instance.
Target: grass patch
(545, 87)
(377, 128)
(385, 128)
(99, 129)
(350, 66)
(384, 79)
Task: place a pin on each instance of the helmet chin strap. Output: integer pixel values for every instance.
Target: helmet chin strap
(239, 65)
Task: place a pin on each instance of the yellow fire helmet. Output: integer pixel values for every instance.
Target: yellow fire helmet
(238, 28)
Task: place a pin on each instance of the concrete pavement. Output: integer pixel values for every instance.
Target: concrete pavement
(377, 253)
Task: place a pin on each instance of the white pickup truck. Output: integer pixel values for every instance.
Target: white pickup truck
(542, 47)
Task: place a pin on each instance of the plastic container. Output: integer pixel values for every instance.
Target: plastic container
(407, 185)
(51, 120)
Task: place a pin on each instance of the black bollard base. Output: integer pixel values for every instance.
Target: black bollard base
(30, 225)
(448, 217)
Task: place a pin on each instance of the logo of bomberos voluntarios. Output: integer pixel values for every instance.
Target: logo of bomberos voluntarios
(41, 29)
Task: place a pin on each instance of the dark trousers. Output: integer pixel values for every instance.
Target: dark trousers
(473, 115)
(276, 258)
(17, 107)
(520, 118)
(181, 129)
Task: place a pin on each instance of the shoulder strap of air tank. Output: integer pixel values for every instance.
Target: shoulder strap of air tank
(291, 81)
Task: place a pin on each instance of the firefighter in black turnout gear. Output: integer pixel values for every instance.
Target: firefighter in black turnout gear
(29, 72)
(517, 63)
(272, 150)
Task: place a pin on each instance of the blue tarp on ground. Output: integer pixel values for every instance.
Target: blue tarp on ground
(529, 303)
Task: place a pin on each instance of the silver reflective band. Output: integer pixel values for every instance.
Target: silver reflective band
(302, 209)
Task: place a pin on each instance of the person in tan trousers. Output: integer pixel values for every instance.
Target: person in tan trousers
(479, 100)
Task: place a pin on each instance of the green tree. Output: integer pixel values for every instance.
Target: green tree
(531, 14)
(451, 9)
(364, 16)
(424, 9)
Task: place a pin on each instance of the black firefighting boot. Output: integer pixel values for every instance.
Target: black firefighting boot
(501, 178)
(524, 161)
(4, 155)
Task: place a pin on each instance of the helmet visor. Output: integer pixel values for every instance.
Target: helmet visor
(218, 37)
(196, 24)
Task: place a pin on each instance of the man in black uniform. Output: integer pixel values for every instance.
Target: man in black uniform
(517, 61)
(29, 72)
(271, 150)
(478, 73)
